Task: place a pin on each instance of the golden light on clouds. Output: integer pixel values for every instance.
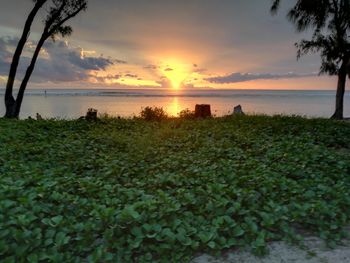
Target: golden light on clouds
(138, 82)
(184, 73)
(176, 72)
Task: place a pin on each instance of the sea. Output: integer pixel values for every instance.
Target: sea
(73, 103)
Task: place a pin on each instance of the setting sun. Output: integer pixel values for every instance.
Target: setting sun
(176, 73)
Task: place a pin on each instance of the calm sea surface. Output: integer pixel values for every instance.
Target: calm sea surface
(74, 103)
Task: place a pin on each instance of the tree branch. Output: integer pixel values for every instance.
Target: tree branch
(54, 16)
(69, 16)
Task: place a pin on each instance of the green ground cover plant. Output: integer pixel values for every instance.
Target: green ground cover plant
(128, 190)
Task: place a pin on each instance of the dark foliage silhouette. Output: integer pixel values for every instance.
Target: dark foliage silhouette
(330, 21)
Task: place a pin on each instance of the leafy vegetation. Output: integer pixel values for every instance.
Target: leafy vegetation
(134, 191)
(153, 114)
(187, 114)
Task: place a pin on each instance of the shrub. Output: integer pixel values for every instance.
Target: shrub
(186, 114)
(153, 114)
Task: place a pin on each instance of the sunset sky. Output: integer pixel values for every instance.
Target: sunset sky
(182, 44)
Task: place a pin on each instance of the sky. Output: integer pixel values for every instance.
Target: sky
(170, 44)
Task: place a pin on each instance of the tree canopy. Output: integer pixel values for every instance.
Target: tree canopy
(330, 20)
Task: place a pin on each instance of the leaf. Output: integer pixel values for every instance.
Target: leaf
(260, 241)
(136, 243)
(33, 258)
(137, 232)
(57, 220)
(130, 213)
(61, 239)
(212, 244)
(206, 236)
(238, 231)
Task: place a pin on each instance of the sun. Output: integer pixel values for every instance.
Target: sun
(176, 78)
(176, 73)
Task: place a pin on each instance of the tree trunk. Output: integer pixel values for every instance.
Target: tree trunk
(10, 108)
(339, 102)
(9, 100)
(28, 74)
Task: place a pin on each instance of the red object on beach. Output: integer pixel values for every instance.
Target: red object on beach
(202, 111)
(91, 115)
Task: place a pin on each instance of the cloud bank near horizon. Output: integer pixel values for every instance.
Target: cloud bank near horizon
(238, 77)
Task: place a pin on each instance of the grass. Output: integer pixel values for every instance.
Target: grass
(137, 191)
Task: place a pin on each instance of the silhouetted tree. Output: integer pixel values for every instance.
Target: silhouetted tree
(58, 13)
(9, 100)
(330, 21)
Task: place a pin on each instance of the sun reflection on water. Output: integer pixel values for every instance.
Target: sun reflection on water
(174, 107)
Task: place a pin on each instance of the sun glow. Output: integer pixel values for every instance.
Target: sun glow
(176, 73)
(174, 108)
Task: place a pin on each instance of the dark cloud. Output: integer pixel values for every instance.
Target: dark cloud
(243, 77)
(61, 51)
(106, 78)
(88, 63)
(153, 67)
(200, 70)
(118, 61)
(5, 54)
(129, 75)
(59, 62)
(168, 69)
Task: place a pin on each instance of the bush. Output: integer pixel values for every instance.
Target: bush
(186, 114)
(153, 114)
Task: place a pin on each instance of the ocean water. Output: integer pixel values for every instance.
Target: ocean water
(73, 103)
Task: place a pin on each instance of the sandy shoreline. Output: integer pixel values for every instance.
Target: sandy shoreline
(315, 251)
